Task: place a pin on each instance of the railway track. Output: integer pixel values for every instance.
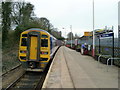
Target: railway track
(29, 80)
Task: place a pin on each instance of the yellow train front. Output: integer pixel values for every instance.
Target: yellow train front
(36, 49)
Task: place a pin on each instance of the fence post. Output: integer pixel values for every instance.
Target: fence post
(99, 44)
(113, 45)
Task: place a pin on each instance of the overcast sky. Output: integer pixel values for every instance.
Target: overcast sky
(119, 13)
(78, 13)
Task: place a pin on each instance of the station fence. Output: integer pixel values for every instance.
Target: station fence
(102, 47)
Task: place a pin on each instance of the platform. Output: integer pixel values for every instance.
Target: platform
(70, 69)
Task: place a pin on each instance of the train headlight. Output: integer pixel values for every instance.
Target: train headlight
(23, 51)
(45, 53)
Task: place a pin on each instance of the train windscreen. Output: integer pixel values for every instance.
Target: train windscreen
(24, 42)
(44, 42)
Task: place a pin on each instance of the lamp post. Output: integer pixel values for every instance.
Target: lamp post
(93, 51)
(65, 31)
(65, 35)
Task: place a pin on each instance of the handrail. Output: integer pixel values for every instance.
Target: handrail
(111, 61)
(99, 58)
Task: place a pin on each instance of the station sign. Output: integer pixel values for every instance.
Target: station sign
(102, 31)
(107, 35)
(87, 33)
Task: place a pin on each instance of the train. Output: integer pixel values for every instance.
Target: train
(36, 48)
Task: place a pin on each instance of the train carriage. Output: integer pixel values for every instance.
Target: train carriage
(36, 48)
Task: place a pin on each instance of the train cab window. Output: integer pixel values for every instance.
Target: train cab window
(44, 42)
(24, 42)
(24, 35)
(44, 36)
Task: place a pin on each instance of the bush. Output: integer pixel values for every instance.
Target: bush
(10, 52)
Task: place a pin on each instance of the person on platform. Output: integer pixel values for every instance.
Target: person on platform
(84, 49)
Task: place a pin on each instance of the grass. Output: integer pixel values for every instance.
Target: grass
(10, 60)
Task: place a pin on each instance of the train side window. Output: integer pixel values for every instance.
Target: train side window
(50, 43)
(44, 42)
(24, 42)
(44, 36)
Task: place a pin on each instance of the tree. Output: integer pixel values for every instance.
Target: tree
(69, 35)
(22, 17)
(56, 33)
(22, 12)
(45, 24)
(6, 19)
(76, 36)
(0, 13)
(17, 12)
(27, 12)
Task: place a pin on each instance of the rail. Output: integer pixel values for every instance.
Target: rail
(99, 58)
(111, 61)
(11, 69)
(14, 82)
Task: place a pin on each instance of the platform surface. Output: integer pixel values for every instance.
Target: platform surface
(70, 69)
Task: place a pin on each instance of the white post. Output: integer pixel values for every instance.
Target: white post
(93, 51)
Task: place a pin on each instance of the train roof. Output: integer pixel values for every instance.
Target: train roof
(41, 30)
(37, 29)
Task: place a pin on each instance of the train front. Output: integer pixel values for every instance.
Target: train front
(34, 50)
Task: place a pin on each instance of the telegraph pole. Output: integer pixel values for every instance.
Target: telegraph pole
(93, 51)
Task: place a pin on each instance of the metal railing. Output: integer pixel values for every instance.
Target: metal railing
(101, 56)
(111, 58)
(111, 61)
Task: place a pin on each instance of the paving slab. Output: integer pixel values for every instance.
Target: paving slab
(70, 69)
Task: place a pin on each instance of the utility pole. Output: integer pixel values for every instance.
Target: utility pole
(71, 34)
(93, 51)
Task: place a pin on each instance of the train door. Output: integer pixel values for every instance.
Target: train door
(33, 46)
